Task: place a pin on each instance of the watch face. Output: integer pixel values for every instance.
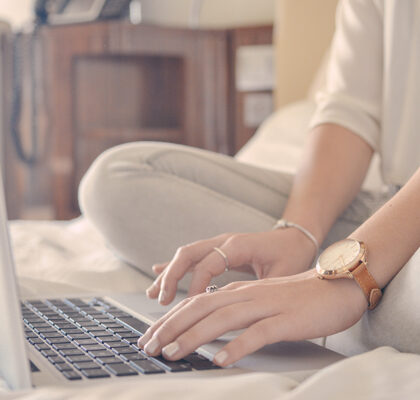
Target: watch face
(339, 256)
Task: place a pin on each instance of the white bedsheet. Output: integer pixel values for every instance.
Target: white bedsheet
(70, 258)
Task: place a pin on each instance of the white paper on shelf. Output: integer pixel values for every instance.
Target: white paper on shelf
(255, 68)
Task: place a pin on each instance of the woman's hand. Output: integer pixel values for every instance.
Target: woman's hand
(271, 310)
(267, 254)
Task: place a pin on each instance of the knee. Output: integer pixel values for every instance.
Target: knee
(105, 177)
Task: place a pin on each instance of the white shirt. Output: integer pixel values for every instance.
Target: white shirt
(373, 81)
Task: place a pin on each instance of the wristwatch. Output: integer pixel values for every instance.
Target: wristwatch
(348, 259)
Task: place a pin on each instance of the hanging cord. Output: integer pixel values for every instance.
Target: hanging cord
(18, 47)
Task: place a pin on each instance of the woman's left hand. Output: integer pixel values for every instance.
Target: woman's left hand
(270, 310)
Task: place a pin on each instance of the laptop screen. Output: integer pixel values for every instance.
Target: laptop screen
(14, 365)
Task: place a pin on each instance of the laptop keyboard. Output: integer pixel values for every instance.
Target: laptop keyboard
(94, 339)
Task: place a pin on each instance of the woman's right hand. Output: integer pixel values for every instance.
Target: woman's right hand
(274, 253)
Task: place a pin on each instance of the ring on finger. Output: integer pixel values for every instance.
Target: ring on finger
(211, 289)
(224, 256)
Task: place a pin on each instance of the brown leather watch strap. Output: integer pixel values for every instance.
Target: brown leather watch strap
(368, 284)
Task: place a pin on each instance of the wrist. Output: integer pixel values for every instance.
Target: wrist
(305, 234)
(297, 249)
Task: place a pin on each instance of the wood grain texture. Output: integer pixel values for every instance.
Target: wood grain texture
(106, 83)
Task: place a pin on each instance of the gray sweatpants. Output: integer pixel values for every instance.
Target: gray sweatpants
(150, 198)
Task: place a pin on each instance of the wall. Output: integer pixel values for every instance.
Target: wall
(17, 12)
(215, 13)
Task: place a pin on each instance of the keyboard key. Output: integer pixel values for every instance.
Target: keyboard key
(109, 339)
(57, 302)
(65, 325)
(80, 321)
(35, 340)
(86, 365)
(48, 353)
(200, 362)
(146, 367)
(77, 302)
(89, 347)
(102, 333)
(36, 303)
(121, 369)
(71, 352)
(104, 320)
(115, 327)
(75, 336)
(117, 313)
(39, 325)
(63, 367)
(57, 319)
(82, 342)
(116, 345)
(59, 340)
(71, 375)
(94, 328)
(72, 331)
(78, 358)
(125, 350)
(172, 366)
(132, 341)
(134, 323)
(101, 353)
(47, 329)
(90, 323)
(108, 360)
(130, 335)
(56, 360)
(50, 335)
(95, 373)
(42, 346)
(135, 356)
(65, 346)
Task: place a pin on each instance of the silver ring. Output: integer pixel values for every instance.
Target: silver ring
(211, 289)
(216, 249)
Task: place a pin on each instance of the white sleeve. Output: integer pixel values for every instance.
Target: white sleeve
(353, 94)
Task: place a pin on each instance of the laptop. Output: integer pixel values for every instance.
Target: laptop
(88, 340)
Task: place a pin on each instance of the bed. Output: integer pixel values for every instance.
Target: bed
(64, 258)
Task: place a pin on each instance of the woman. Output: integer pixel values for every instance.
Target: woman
(149, 199)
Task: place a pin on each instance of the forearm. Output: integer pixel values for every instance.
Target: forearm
(334, 165)
(392, 234)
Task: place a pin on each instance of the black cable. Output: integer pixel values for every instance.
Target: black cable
(18, 45)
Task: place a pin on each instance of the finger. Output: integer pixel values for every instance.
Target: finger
(237, 253)
(153, 291)
(149, 332)
(153, 328)
(159, 268)
(185, 259)
(225, 319)
(261, 333)
(183, 318)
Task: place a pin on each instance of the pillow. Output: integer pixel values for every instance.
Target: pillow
(278, 143)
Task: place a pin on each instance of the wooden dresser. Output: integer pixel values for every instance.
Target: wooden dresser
(106, 83)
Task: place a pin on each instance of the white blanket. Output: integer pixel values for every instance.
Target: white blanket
(71, 258)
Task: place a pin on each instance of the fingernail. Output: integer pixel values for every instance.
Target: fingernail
(152, 346)
(221, 357)
(171, 349)
(162, 296)
(140, 342)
